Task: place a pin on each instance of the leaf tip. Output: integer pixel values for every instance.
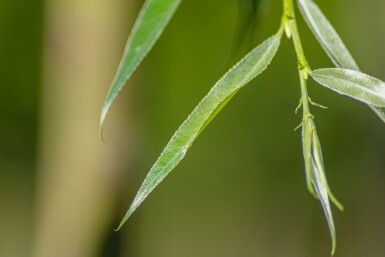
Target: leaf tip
(335, 201)
(120, 226)
(128, 214)
(101, 135)
(333, 248)
(101, 122)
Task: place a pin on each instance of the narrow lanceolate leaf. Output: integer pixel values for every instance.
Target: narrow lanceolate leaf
(326, 35)
(331, 41)
(355, 84)
(315, 174)
(318, 160)
(248, 68)
(319, 184)
(152, 20)
(307, 156)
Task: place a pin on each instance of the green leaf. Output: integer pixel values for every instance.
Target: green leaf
(317, 157)
(379, 111)
(321, 190)
(152, 20)
(307, 155)
(355, 84)
(315, 174)
(331, 41)
(243, 72)
(326, 35)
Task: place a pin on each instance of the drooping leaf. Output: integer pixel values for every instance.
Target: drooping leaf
(321, 189)
(243, 72)
(315, 174)
(355, 84)
(152, 20)
(306, 150)
(326, 35)
(319, 161)
(331, 41)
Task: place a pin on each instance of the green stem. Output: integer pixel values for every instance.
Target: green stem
(303, 66)
(291, 24)
(304, 96)
(291, 28)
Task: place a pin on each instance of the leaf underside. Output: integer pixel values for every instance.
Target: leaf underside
(319, 182)
(150, 24)
(355, 84)
(243, 72)
(331, 41)
(315, 174)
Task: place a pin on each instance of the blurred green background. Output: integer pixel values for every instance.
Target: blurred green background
(239, 192)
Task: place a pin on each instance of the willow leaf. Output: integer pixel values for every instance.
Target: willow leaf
(243, 72)
(326, 35)
(320, 186)
(355, 84)
(315, 174)
(318, 160)
(331, 41)
(152, 20)
(307, 154)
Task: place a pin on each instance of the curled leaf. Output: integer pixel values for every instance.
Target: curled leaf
(315, 174)
(242, 73)
(307, 150)
(321, 190)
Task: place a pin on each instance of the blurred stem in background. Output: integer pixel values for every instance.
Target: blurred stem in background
(20, 65)
(78, 176)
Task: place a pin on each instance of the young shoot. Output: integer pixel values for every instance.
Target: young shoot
(344, 79)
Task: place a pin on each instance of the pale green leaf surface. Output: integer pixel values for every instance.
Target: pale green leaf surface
(319, 161)
(331, 41)
(306, 149)
(326, 35)
(315, 175)
(152, 20)
(379, 111)
(243, 72)
(355, 84)
(320, 186)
